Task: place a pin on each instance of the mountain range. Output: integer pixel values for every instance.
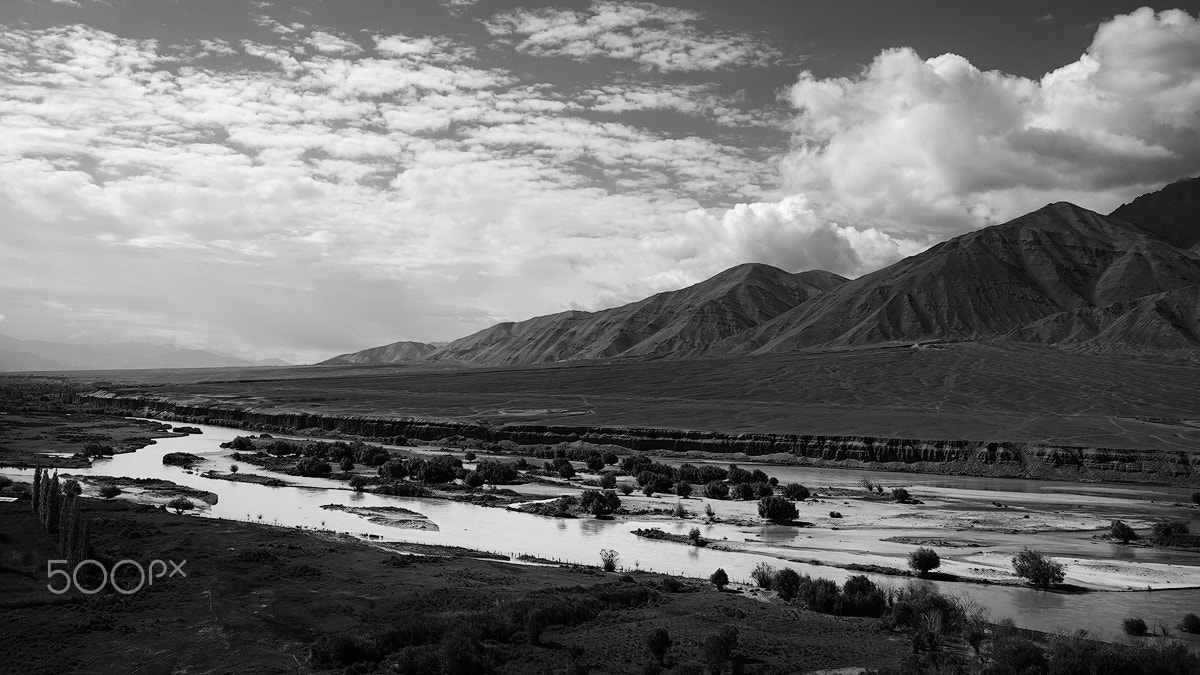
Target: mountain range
(36, 355)
(1061, 275)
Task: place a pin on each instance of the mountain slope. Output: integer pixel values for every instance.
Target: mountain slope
(1164, 321)
(674, 324)
(1172, 213)
(1061, 258)
(397, 352)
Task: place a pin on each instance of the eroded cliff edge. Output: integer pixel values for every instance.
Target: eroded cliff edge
(961, 457)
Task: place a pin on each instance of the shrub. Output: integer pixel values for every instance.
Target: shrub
(566, 470)
(820, 595)
(610, 458)
(108, 491)
(600, 503)
(901, 495)
(1175, 532)
(679, 511)
(658, 642)
(1196, 497)
(346, 464)
(5, 481)
(358, 483)
(608, 481)
(736, 475)
(718, 648)
(1121, 532)
(609, 559)
(233, 468)
(868, 484)
(762, 490)
(595, 462)
(835, 514)
(71, 487)
(719, 579)
(708, 510)
(777, 509)
(923, 560)
(694, 536)
(626, 489)
(474, 480)
(181, 504)
(393, 469)
(1134, 626)
(312, 466)
(716, 490)
(764, 576)
(787, 583)
(796, 492)
(469, 455)
(683, 489)
(1190, 623)
(743, 491)
(1039, 570)
(861, 597)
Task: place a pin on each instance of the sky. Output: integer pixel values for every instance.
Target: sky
(302, 179)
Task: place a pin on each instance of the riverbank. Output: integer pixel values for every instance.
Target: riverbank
(259, 599)
(56, 439)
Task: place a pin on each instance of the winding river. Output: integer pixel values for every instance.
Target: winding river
(580, 540)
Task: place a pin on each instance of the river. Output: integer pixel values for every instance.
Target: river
(580, 540)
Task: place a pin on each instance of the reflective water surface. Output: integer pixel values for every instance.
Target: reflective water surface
(580, 540)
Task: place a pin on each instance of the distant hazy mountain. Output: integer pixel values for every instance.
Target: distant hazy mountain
(995, 281)
(674, 324)
(1060, 275)
(397, 352)
(31, 355)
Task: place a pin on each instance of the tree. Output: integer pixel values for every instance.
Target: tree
(648, 489)
(795, 492)
(708, 511)
(1039, 570)
(474, 480)
(683, 489)
(233, 468)
(694, 536)
(716, 490)
(777, 509)
(923, 560)
(719, 579)
(609, 559)
(659, 642)
(1190, 623)
(71, 487)
(743, 491)
(393, 469)
(600, 502)
(626, 489)
(595, 462)
(346, 464)
(787, 584)
(108, 490)
(1196, 497)
(313, 466)
(608, 481)
(1121, 532)
(5, 481)
(901, 495)
(358, 483)
(469, 455)
(181, 504)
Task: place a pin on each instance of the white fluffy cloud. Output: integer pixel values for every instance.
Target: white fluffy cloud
(663, 38)
(931, 146)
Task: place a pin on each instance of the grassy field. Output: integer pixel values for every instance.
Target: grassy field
(957, 391)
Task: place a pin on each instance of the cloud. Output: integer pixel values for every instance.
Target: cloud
(657, 37)
(936, 146)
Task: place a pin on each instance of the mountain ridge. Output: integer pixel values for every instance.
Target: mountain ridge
(1059, 275)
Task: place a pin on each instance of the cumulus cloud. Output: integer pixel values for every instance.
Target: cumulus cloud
(657, 37)
(936, 146)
